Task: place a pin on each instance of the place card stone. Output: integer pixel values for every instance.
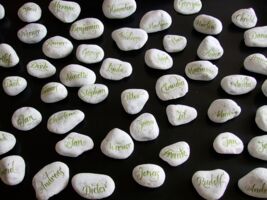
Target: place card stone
(14, 85)
(32, 33)
(207, 24)
(30, 12)
(41, 68)
(93, 93)
(257, 147)
(53, 92)
(187, 7)
(7, 142)
(8, 56)
(257, 63)
(89, 53)
(174, 43)
(210, 49)
(256, 37)
(260, 118)
(244, 18)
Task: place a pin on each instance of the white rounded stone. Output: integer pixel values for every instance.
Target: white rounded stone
(210, 49)
(256, 63)
(53, 92)
(207, 24)
(89, 53)
(93, 93)
(187, 7)
(74, 75)
(63, 121)
(223, 110)
(29, 12)
(149, 175)
(257, 147)
(264, 88)
(117, 144)
(174, 43)
(2, 11)
(7, 142)
(41, 68)
(26, 118)
(155, 21)
(8, 56)
(158, 59)
(14, 85)
(244, 18)
(256, 37)
(32, 33)
(261, 118)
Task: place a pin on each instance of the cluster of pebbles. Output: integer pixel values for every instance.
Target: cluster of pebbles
(118, 144)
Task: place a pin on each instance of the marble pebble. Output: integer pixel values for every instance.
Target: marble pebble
(53, 92)
(40, 68)
(256, 63)
(30, 12)
(264, 88)
(14, 85)
(210, 49)
(158, 59)
(187, 7)
(256, 37)
(8, 56)
(244, 18)
(93, 93)
(207, 24)
(256, 147)
(261, 118)
(32, 33)
(174, 43)
(7, 142)
(2, 11)
(89, 53)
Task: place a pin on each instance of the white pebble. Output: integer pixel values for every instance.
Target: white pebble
(63, 121)
(26, 118)
(256, 63)
(238, 84)
(245, 18)
(149, 175)
(12, 170)
(14, 85)
(74, 144)
(32, 33)
(65, 11)
(187, 7)
(180, 114)
(50, 180)
(155, 21)
(74, 75)
(115, 69)
(211, 184)
(171, 86)
(93, 93)
(175, 154)
(222, 110)
(261, 118)
(29, 12)
(144, 128)
(89, 53)
(254, 183)
(7, 142)
(41, 68)
(256, 37)
(8, 56)
(210, 49)
(201, 70)
(264, 88)
(228, 143)
(134, 100)
(207, 24)
(57, 47)
(85, 29)
(2, 11)
(174, 43)
(118, 9)
(257, 147)
(53, 92)
(117, 144)
(93, 186)
(158, 59)
(128, 39)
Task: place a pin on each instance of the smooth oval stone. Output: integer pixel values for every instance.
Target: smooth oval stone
(32, 33)
(223, 110)
(117, 144)
(118, 9)
(26, 118)
(50, 180)
(8, 56)
(228, 143)
(257, 147)
(128, 39)
(93, 186)
(94, 93)
(256, 63)
(201, 70)
(264, 88)
(171, 86)
(115, 69)
(207, 24)
(254, 183)
(256, 37)
(85, 29)
(65, 11)
(245, 18)
(261, 118)
(210, 49)
(14, 85)
(41, 68)
(174, 43)
(53, 92)
(175, 154)
(89, 53)
(211, 184)
(57, 47)
(157, 59)
(12, 170)
(155, 21)
(74, 144)
(74, 75)
(149, 175)
(2, 11)
(180, 114)
(63, 121)
(144, 128)
(187, 7)
(238, 84)
(30, 12)
(133, 100)
(7, 142)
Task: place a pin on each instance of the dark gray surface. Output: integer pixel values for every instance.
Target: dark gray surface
(37, 146)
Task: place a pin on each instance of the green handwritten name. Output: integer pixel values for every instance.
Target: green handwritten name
(242, 83)
(72, 142)
(115, 68)
(129, 35)
(25, 120)
(29, 34)
(255, 35)
(245, 18)
(120, 8)
(93, 92)
(60, 117)
(3, 137)
(5, 58)
(12, 83)
(97, 188)
(57, 44)
(131, 96)
(262, 147)
(208, 25)
(213, 53)
(91, 54)
(86, 28)
(189, 5)
(120, 147)
(199, 69)
(145, 123)
(47, 90)
(229, 142)
(181, 115)
(61, 7)
(76, 75)
(224, 114)
(172, 154)
(172, 85)
(8, 170)
(216, 181)
(41, 66)
(50, 177)
(258, 60)
(257, 189)
(158, 25)
(144, 173)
